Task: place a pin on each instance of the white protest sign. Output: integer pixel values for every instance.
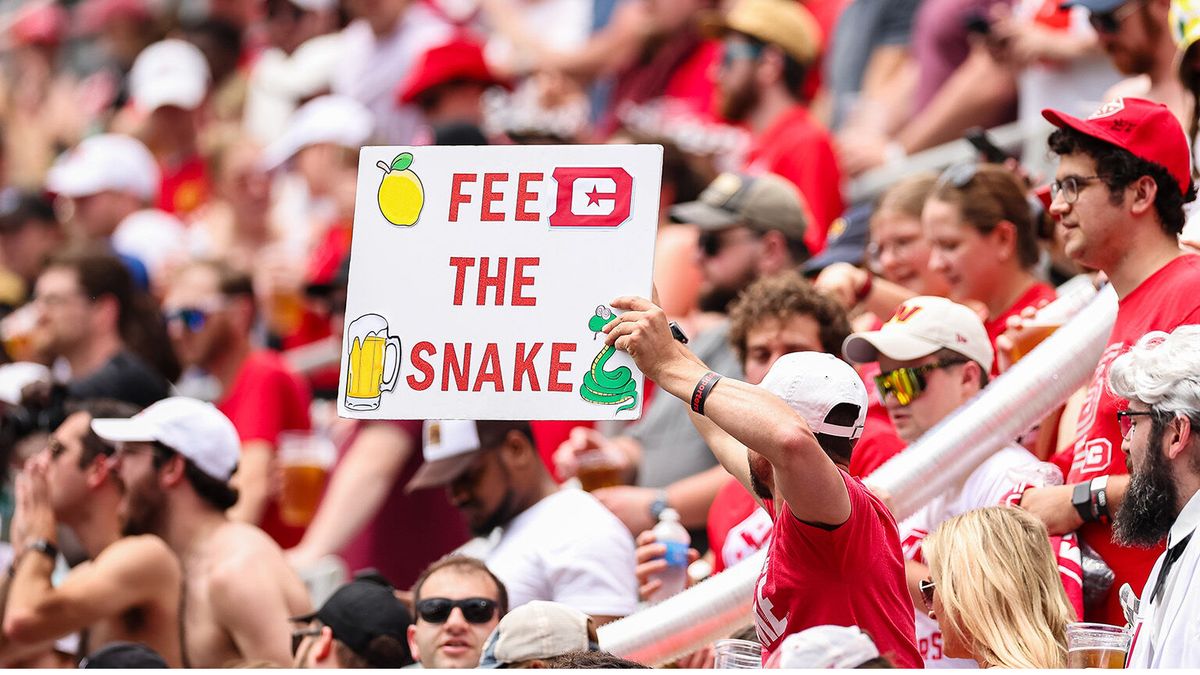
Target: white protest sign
(480, 277)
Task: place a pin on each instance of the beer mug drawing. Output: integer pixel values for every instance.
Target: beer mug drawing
(369, 343)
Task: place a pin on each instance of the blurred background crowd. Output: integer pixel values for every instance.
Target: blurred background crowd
(177, 188)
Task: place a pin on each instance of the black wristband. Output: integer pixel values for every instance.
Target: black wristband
(703, 388)
(1081, 499)
(43, 546)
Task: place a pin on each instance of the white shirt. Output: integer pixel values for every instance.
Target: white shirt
(1167, 633)
(986, 486)
(568, 548)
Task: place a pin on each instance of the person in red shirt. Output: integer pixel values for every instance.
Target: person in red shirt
(982, 232)
(210, 312)
(834, 555)
(769, 46)
(1123, 177)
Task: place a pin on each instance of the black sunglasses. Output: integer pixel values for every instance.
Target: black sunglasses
(1107, 23)
(193, 319)
(927, 588)
(958, 175)
(299, 635)
(474, 610)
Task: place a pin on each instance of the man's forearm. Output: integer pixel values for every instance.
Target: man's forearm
(27, 592)
(976, 90)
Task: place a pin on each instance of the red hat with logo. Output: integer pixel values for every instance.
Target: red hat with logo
(459, 60)
(1146, 129)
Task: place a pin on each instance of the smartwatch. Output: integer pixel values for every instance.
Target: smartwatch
(658, 505)
(1081, 499)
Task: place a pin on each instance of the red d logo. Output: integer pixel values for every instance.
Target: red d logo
(592, 197)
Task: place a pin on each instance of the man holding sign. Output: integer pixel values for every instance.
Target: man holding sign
(789, 442)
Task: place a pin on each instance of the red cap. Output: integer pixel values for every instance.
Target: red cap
(1146, 129)
(459, 59)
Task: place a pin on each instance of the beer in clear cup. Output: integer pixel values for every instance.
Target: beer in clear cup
(1097, 645)
(305, 458)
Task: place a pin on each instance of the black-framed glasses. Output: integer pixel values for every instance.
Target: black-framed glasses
(193, 318)
(474, 610)
(958, 175)
(906, 384)
(927, 588)
(1107, 23)
(1070, 187)
(1126, 422)
(299, 634)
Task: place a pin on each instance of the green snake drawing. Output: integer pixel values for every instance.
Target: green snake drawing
(607, 387)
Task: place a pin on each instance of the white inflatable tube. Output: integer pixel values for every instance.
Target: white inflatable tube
(1043, 380)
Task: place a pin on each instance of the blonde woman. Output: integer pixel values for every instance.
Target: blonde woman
(995, 590)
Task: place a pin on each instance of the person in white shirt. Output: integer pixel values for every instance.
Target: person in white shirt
(935, 355)
(556, 545)
(1160, 377)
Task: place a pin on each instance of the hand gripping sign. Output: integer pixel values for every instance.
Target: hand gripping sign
(480, 279)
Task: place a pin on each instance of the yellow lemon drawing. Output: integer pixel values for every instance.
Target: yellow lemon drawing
(401, 195)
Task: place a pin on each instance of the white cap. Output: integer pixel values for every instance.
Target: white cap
(156, 238)
(450, 447)
(14, 377)
(326, 119)
(812, 384)
(170, 72)
(106, 162)
(825, 647)
(194, 429)
(536, 630)
(920, 327)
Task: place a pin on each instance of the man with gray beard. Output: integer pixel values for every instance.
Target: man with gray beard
(175, 459)
(1160, 377)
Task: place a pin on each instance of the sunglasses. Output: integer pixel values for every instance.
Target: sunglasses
(1126, 422)
(927, 588)
(958, 175)
(908, 383)
(739, 51)
(712, 243)
(474, 610)
(1107, 23)
(193, 318)
(299, 635)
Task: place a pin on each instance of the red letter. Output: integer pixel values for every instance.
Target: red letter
(524, 367)
(557, 366)
(461, 370)
(460, 279)
(496, 282)
(489, 369)
(520, 281)
(525, 195)
(422, 365)
(570, 180)
(490, 197)
(457, 197)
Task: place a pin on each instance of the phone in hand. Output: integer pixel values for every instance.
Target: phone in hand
(982, 142)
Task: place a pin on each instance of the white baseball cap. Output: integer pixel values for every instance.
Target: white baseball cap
(812, 384)
(825, 647)
(450, 447)
(106, 162)
(326, 119)
(920, 327)
(536, 630)
(193, 428)
(170, 72)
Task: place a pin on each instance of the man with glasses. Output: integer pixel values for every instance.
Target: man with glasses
(558, 545)
(458, 601)
(934, 355)
(89, 315)
(1136, 36)
(210, 313)
(362, 625)
(175, 460)
(1160, 378)
(1124, 175)
(128, 590)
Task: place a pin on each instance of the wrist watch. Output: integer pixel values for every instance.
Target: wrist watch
(1081, 499)
(658, 505)
(43, 546)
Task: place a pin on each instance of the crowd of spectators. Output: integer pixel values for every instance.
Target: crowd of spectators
(178, 181)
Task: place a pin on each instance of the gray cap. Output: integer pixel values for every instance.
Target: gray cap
(764, 202)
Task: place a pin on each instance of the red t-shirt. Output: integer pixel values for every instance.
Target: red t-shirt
(852, 575)
(877, 445)
(995, 327)
(798, 149)
(185, 187)
(1162, 302)
(265, 399)
(737, 526)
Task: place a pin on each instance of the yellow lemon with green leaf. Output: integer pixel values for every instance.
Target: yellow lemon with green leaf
(401, 195)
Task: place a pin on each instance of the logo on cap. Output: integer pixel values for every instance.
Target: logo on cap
(904, 313)
(1108, 109)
